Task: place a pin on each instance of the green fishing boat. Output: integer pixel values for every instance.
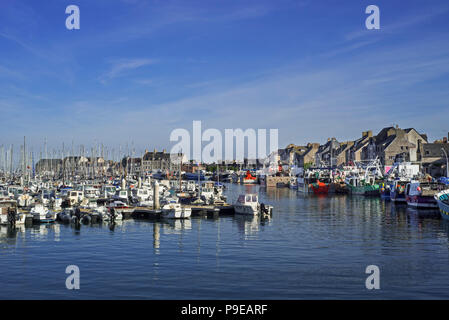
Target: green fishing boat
(362, 187)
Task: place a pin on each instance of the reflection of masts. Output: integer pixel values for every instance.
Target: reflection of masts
(156, 236)
(199, 241)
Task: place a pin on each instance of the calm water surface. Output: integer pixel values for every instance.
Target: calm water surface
(312, 248)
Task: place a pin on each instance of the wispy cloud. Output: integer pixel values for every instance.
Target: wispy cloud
(122, 66)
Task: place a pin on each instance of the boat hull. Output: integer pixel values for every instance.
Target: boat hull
(395, 196)
(442, 199)
(370, 190)
(421, 201)
(245, 210)
(320, 188)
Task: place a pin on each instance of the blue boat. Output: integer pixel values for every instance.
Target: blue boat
(385, 191)
(194, 176)
(397, 191)
(442, 199)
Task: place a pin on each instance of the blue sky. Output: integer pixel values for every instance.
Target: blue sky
(138, 69)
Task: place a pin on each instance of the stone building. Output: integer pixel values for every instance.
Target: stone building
(342, 153)
(393, 144)
(48, 167)
(161, 161)
(326, 155)
(298, 155)
(354, 153)
(433, 157)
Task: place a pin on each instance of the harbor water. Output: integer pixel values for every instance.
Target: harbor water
(311, 248)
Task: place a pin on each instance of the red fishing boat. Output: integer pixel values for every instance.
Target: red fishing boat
(249, 178)
(320, 187)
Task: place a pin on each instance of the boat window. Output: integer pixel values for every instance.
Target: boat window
(254, 198)
(241, 199)
(248, 198)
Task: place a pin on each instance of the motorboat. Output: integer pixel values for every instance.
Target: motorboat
(174, 210)
(248, 204)
(41, 214)
(9, 214)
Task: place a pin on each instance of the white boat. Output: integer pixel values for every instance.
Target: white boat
(175, 211)
(8, 213)
(42, 214)
(248, 204)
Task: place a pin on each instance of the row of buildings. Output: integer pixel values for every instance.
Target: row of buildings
(390, 145)
(98, 166)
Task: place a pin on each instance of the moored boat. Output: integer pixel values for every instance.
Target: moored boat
(422, 194)
(442, 199)
(249, 178)
(397, 191)
(41, 214)
(320, 187)
(175, 211)
(248, 204)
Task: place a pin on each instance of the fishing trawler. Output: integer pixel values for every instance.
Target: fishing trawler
(397, 191)
(249, 178)
(360, 186)
(421, 194)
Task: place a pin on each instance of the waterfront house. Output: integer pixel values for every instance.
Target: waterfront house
(354, 153)
(393, 144)
(342, 153)
(433, 158)
(161, 161)
(326, 155)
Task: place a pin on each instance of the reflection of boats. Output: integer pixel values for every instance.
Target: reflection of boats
(442, 199)
(249, 205)
(422, 212)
